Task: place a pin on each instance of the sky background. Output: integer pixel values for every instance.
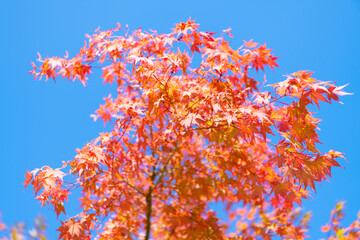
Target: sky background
(43, 123)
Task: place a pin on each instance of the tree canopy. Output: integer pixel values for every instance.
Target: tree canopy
(194, 123)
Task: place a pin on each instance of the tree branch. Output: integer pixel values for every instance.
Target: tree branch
(166, 164)
(148, 213)
(135, 188)
(149, 194)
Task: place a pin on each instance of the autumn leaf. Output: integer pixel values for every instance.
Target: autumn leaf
(250, 44)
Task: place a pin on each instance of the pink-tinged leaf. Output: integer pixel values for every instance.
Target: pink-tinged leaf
(250, 44)
(74, 228)
(338, 91)
(190, 119)
(227, 31)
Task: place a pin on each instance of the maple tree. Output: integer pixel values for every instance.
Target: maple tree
(186, 134)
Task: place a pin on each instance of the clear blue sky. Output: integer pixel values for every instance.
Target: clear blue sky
(42, 123)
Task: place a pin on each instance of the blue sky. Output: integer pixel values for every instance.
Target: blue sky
(43, 123)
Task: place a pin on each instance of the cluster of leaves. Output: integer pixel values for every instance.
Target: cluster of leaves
(186, 134)
(20, 232)
(334, 228)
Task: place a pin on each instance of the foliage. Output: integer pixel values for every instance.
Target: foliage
(188, 133)
(20, 232)
(334, 228)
